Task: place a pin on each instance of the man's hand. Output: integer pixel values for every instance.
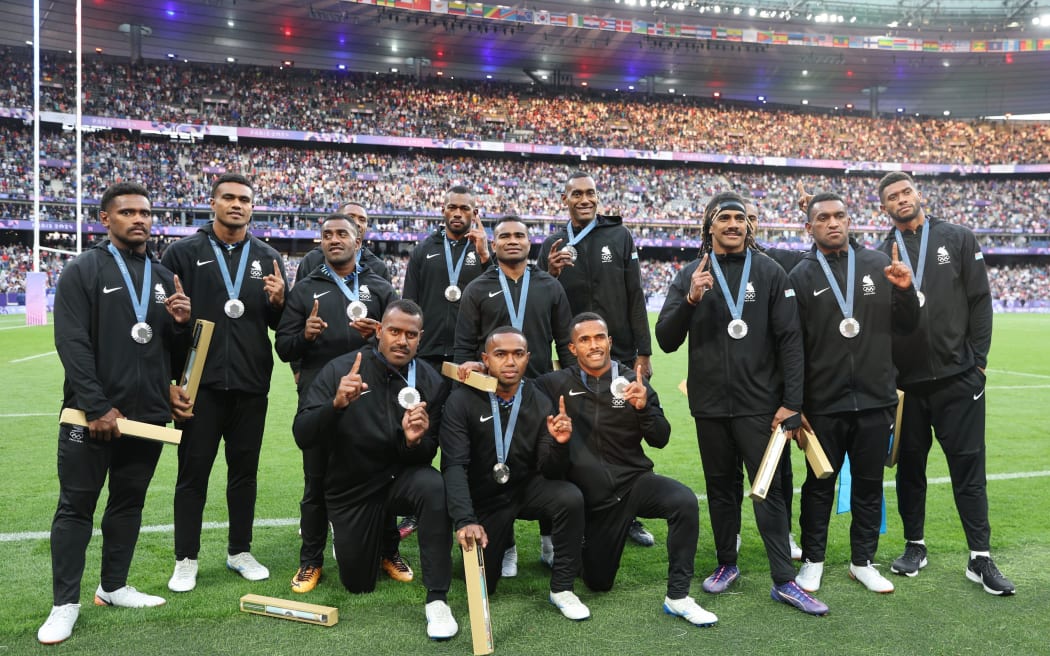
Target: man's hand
(415, 423)
(273, 285)
(366, 327)
(105, 427)
(647, 365)
(315, 325)
(178, 304)
(470, 535)
(897, 272)
(791, 420)
(635, 393)
(480, 239)
(463, 370)
(181, 408)
(700, 281)
(803, 198)
(350, 386)
(558, 259)
(560, 425)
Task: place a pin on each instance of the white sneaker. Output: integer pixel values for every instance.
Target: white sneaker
(870, 577)
(570, 605)
(59, 624)
(246, 565)
(126, 597)
(184, 578)
(690, 611)
(440, 623)
(808, 577)
(510, 562)
(796, 551)
(546, 551)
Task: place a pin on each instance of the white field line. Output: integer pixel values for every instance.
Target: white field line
(16, 327)
(1017, 373)
(33, 357)
(28, 414)
(26, 536)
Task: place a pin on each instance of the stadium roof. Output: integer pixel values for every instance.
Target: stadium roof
(972, 59)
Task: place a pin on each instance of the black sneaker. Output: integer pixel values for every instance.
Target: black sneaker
(639, 535)
(982, 570)
(911, 561)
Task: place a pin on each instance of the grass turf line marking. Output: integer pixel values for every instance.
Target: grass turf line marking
(1018, 373)
(33, 357)
(294, 521)
(28, 414)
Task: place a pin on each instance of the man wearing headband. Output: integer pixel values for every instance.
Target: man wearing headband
(940, 368)
(238, 283)
(852, 302)
(594, 258)
(333, 310)
(745, 379)
(500, 454)
(613, 410)
(378, 410)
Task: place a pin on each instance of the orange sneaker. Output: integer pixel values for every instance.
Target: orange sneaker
(306, 578)
(397, 568)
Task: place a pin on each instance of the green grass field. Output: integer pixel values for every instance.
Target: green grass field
(939, 612)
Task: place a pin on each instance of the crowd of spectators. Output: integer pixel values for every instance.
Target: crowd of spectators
(399, 105)
(17, 260)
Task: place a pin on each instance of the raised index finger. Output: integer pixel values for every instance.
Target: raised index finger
(801, 188)
(178, 285)
(703, 263)
(554, 246)
(638, 373)
(313, 313)
(357, 365)
(561, 404)
(896, 254)
(276, 268)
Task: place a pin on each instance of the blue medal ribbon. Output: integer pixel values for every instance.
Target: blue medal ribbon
(612, 377)
(736, 309)
(517, 318)
(503, 444)
(352, 295)
(845, 304)
(233, 287)
(453, 271)
(575, 239)
(141, 305)
(924, 242)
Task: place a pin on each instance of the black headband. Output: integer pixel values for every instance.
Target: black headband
(731, 205)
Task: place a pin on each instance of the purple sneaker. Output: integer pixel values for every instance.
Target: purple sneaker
(720, 579)
(790, 593)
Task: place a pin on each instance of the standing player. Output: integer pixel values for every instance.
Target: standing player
(333, 310)
(745, 378)
(595, 260)
(378, 411)
(852, 302)
(613, 411)
(119, 316)
(940, 368)
(239, 283)
(499, 452)
(441, 267)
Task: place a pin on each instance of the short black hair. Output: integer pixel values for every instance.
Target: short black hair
(893, 178)
(406, 306)
(510, 217)
(576, 175)
(459, 189)
(584, 317)
(341, 217)
(504, 330)
(353, 202)
(121, 189)
(822, 197)
(230, 177)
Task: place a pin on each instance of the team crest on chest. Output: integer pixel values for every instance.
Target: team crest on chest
(256, 270)
(159, 294)
(868, 285)
(365, 293)
(749, 293)
(942, 255)
(472, 259)
(618, 403)
(606, 254)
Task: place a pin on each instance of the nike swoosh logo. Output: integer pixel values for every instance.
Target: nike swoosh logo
(363, 393)
(317, 296)
(107, 290)
(978, 395)
(575, 393)
(819, 292)
(496, 293)
(484, 419)
(199, 263)
(432, 255)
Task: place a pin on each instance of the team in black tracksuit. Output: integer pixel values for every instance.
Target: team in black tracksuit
(547, 318)
(468, 454)
(105, 369)
(372, 473)
(850, 391)
(607, 463)
(338, 338)
(231, 402)
(369, 260)
(939, 369)
(425, 281)
(735, 388)
(606, 279)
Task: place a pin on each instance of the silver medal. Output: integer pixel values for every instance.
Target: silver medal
(922, 298)
(619, 387)
(737, 329)
(453, 293)
(501, 473)
(142, 332)
(234, 308)
(356, 310)
(408, 397)
(849, 328)
(571, 250)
